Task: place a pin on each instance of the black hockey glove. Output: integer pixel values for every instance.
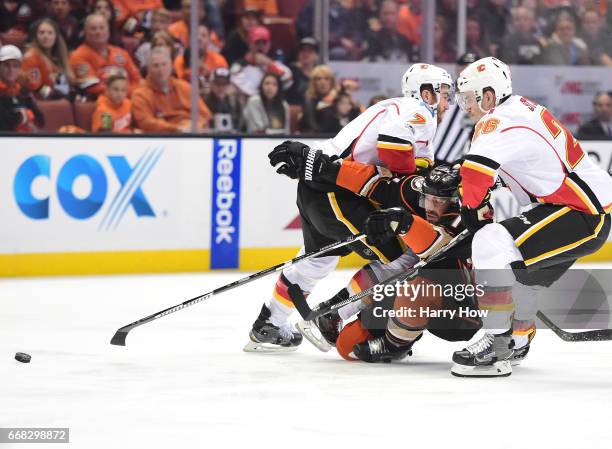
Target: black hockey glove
(384, 224)
(474, 219)
(290, 155)
(298, 160)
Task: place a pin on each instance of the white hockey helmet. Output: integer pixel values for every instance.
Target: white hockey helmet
(486, 72)
(420, 74)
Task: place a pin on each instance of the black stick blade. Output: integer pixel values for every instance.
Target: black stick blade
(119, 338)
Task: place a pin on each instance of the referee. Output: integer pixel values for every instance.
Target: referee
(454, 133)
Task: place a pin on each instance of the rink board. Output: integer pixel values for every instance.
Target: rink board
(102, 205)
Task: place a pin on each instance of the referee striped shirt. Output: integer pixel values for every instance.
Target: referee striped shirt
(453, 135)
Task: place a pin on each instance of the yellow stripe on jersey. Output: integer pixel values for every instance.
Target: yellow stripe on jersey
(340, 217)
(585, 199)
(554, 252)
(394, 146)
(282, 300)
(478, 167)
(536, 227)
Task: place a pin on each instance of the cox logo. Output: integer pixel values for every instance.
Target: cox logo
(129, 194)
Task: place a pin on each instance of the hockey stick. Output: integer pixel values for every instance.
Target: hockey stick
(335, 303)
(121, 333)
(594, 335)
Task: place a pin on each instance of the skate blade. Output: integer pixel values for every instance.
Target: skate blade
(498, 369)
(306, 329)
(267, 348)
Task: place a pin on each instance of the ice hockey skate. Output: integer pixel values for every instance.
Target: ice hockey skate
(267, 337)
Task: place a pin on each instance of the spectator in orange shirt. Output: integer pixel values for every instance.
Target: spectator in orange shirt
(163, 103)
(107, 9)
(113, 111)
(180, 28)
(210, 60)
(45, 63)
(96, 59)
(135, 14)
(410, 21)
(269, 7)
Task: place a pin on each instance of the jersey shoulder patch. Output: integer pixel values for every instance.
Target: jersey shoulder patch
(417, 119)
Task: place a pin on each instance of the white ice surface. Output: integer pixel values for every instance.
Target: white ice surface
(184, 382)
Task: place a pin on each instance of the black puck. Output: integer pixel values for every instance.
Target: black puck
(23, 357)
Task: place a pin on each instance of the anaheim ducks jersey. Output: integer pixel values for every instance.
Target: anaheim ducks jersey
(394, 133)
(380, 186)
(536, 156)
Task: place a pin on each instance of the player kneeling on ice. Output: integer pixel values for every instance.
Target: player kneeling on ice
(441, 298)
(546, 168)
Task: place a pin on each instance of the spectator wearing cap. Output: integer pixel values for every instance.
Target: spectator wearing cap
(180, 28)
(162, 103)
(209, 59)
(521, 46)
(223, 103)
(267, 112)
(454, 133)
(70, 27)
(96, 59)
(563, 47)
(307, 59)
(18, 112)
(247, 73)
(383, 42)
(237, 43)
(600, 127)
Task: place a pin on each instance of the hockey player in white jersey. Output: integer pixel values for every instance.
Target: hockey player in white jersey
(543, 165)
(395, 134)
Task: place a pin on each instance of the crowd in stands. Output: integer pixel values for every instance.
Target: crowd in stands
(127, 63)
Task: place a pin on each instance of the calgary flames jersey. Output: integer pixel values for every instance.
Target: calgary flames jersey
(393, 133)
(536, 156)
